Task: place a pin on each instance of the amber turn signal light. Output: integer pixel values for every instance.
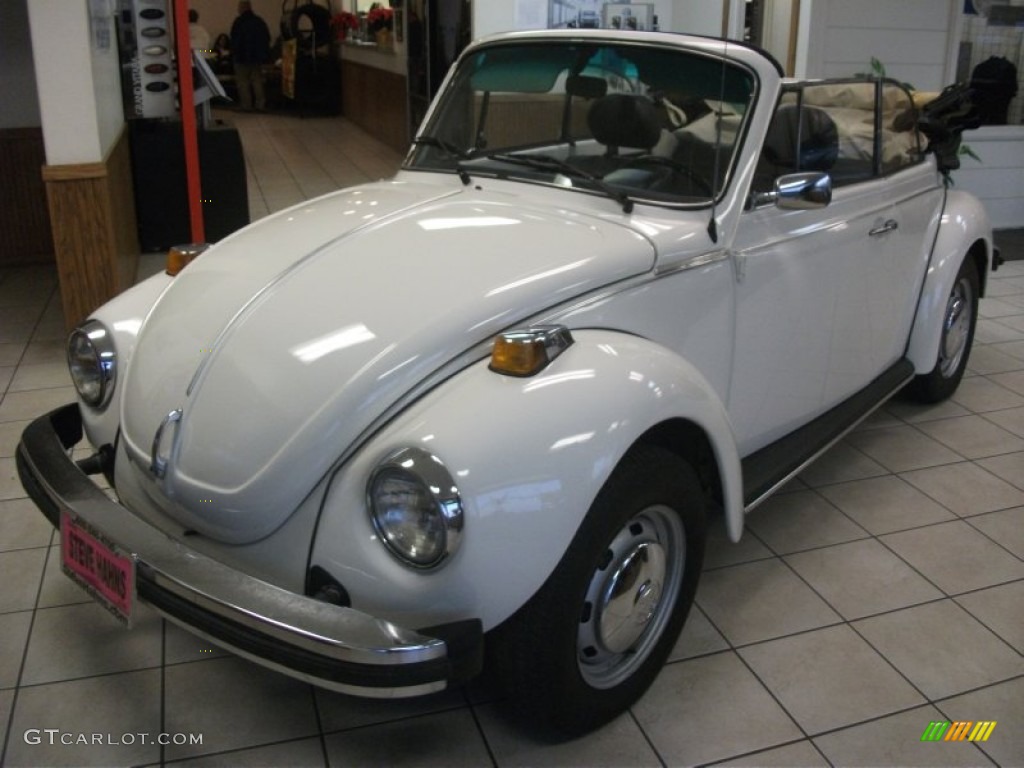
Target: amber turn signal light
(528, 351)
(180, 256)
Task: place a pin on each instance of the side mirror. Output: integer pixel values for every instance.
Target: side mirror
(803, 191)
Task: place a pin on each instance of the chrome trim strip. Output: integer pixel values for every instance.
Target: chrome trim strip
(700, 260)
(158, 465)
(825, 448)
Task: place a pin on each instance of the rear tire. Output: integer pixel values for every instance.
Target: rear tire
(593, 638)
(958, 324)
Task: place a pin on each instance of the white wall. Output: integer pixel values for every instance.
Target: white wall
(17, 72)
(912, 38)
(78, 83)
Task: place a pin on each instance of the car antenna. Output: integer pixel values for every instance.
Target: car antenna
(719, 113)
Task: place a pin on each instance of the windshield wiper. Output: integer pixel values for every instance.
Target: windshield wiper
(547, 163)
(448, 148)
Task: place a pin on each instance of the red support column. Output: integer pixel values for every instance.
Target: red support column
(186, 98)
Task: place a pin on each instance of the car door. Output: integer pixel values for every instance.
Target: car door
(820, 303)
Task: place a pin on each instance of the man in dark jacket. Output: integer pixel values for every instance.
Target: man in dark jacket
(250, 50)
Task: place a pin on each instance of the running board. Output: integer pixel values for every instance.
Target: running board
(766, 470)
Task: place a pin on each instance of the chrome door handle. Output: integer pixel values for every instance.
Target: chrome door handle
(890, 226)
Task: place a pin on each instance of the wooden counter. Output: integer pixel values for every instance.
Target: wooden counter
(373, 92)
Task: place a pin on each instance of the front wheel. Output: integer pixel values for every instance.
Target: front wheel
(958, 323)
(596, 634)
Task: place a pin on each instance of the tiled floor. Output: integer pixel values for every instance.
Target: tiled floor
(882, 591)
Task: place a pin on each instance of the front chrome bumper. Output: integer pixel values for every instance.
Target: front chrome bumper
(328, 645)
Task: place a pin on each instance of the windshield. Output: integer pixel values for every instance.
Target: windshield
(636, 122)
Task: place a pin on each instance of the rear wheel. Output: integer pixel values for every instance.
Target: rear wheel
(597, 633)
(958, 323)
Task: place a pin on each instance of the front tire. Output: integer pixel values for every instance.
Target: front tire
(958, 324)
(596, 634)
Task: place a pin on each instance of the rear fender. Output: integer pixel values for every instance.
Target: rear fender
(965, 232)
(528, 455)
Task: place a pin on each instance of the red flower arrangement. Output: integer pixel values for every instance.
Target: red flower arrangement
(378, 18)
(342, 22)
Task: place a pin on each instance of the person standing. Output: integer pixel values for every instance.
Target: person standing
(198, 37)
(250, 50)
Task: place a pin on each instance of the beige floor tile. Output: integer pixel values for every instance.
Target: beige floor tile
(37, 352)
(1005, 527)
(57, 589)
(76, 641)
(19, 406)
(862, 578)
(798, 521)
(965, 488)
(915, 413)
(721, 551)
(955, 557)
(709, 709)
(698, 638)
(994, 332)
(996, 308)
(899, 449)
(980, 394)
(1003, 703)
(896, 740)
(1011, 420)
(339, 712)
(1012, 348)
(842, 463)
(886, 504)
(829, 678)
(20, 574)
(234, 704)
(620, 742)
(987, 360)
(14, 628)
(445, 740)
(300, 753)
(802, 754)
(1001, 609)
(1013, 321)
(119, 706)
(43, 376)
(22, 526)
(973, 437)
(1009, 467)
(6, 704)
(10, 354)
(10, 436)
(962, 653)
(757, 601)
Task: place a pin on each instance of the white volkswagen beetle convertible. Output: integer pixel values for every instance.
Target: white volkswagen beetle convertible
(623, 283)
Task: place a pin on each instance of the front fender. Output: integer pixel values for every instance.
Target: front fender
(964, 223)
(529, 456)
(123, 317)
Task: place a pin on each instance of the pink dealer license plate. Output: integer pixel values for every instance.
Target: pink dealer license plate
(98, 565)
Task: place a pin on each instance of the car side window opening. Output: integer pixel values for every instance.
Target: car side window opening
(852, 130)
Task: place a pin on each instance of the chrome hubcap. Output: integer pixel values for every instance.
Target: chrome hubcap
(955, 328)
(631, 596)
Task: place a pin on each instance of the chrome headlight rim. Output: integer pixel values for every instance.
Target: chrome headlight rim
(427, 470)
(97, 348)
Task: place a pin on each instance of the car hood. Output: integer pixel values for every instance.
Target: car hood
(281, 345)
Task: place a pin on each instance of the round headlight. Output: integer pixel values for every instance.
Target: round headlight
(93, 363)
(415, 508)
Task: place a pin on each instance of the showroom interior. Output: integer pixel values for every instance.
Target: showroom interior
(881, 591)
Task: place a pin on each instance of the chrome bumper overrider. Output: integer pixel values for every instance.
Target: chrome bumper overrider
(329, 645)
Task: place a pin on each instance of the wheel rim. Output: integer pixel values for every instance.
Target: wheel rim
(956, 327)
(631, 596)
